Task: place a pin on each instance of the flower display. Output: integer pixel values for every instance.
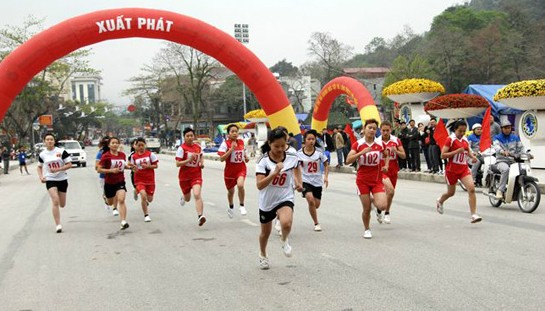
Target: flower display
(526, 88)
(456, 106)
(255, 114)
(409, 86)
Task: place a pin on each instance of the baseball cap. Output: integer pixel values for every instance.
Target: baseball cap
(505, 123)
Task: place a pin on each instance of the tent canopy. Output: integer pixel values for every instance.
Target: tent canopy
(488, 92)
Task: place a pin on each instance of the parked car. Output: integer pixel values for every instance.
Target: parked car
(153, 144)
(39, 147)
(73, 147)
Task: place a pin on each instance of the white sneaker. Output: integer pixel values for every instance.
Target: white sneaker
(230, 212)
(124, 225)
(263, 263)
(367, 234)
(115, 212)
(108, 208)
(277, 226)
(439, 207)
(201, 220)
(147, 218)
(387, 219)
(379, 217)
(243, 211)
(499, 195)
(182, 201)
(286, 248)
(135, 195)
(317, 228)
(475, 218)
(58, 229)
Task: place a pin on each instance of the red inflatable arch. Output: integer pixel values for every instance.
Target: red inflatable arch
(18, 68)
(350, 87)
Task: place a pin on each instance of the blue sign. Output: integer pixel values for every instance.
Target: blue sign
(529, 124)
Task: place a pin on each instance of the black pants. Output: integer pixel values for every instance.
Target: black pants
(435, 157)
(414, 158)
(6, 166)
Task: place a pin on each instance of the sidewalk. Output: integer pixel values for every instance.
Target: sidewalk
(416, 176)
(14, 165)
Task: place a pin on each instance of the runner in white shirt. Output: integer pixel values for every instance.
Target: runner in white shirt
(289, 150)
(311, 159)
(277, 173)
(52, 165)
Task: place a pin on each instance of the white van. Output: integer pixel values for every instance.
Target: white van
(79, 156)
(153, 144)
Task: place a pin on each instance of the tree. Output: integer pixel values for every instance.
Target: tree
(284, 69)
(329, 56)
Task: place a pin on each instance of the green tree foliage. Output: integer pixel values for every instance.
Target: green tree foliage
(284, 68)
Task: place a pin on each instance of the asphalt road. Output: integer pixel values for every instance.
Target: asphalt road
(421, 261)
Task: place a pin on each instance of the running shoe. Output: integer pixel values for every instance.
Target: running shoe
(387, 219)
(115, 212)
(124, 225)
(439, 207)
(243, 211)
(58, 229)
(108, 208)
(475, 218)
(230, 212)
(367, 234)
(147, 218)
(277, 226)
(317, 228)
(182, 201)
(379, 217)
(201, 220)
(263, 263)
(499, 195)
(135, 195)
(286, 248)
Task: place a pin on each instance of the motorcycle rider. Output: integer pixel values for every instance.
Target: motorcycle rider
(507, 146)
(474, 143)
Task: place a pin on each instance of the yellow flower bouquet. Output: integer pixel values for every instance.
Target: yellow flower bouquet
(413, 90)
(255, 114)
(524, 95)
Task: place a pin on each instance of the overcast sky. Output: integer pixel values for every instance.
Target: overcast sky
(278, 29)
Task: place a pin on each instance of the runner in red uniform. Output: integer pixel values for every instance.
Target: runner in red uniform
(233, 153)
(395, 148)
(144, 162)
(368, 152)
(190, 161)
(112, 164)
(457, 151)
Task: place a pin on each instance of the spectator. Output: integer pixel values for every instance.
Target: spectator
(414, 147)
(293, 142)
(339, 146)
(424, 144)
(404, 137)
(22, 160)
(495, 128)
(5, 157)
(329, 146)
(434, 151)
(347, 145)
(252, 144)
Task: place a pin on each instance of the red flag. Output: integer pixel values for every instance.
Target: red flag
(441, 134)
(486, 139)
(348, 130)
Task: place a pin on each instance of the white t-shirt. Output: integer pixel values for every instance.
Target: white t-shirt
(281, 187)
(311, 167)
(55, 158)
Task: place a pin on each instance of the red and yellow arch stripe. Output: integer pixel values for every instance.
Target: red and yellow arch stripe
(350, 87)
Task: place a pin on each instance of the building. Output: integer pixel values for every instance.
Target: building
(371, 77)
(301, 91)
(85, 89)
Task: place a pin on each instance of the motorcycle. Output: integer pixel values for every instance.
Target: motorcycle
(521, 185)
(487, 160)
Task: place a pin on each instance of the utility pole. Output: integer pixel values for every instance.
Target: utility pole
(242, 34)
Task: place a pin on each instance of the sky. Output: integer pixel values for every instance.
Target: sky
(279, 29)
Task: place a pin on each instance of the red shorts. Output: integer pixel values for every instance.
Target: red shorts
(231, 182)
(149, 189)
(365, 188)
(453, 177)
(187, 184)
(392, 176)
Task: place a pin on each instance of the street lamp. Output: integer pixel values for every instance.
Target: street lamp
(242, 34)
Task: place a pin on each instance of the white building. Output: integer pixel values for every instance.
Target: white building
(301, 91)
(85, 89)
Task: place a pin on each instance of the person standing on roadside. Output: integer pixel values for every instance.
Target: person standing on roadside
(21, 155)
(5, 158)
(434, 151)
(339, 146)
(404, 138)
(414, 147)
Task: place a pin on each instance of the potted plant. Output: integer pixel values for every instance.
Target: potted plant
(456, 106)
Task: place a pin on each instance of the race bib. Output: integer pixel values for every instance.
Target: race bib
(237, 156)
(371, 158)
